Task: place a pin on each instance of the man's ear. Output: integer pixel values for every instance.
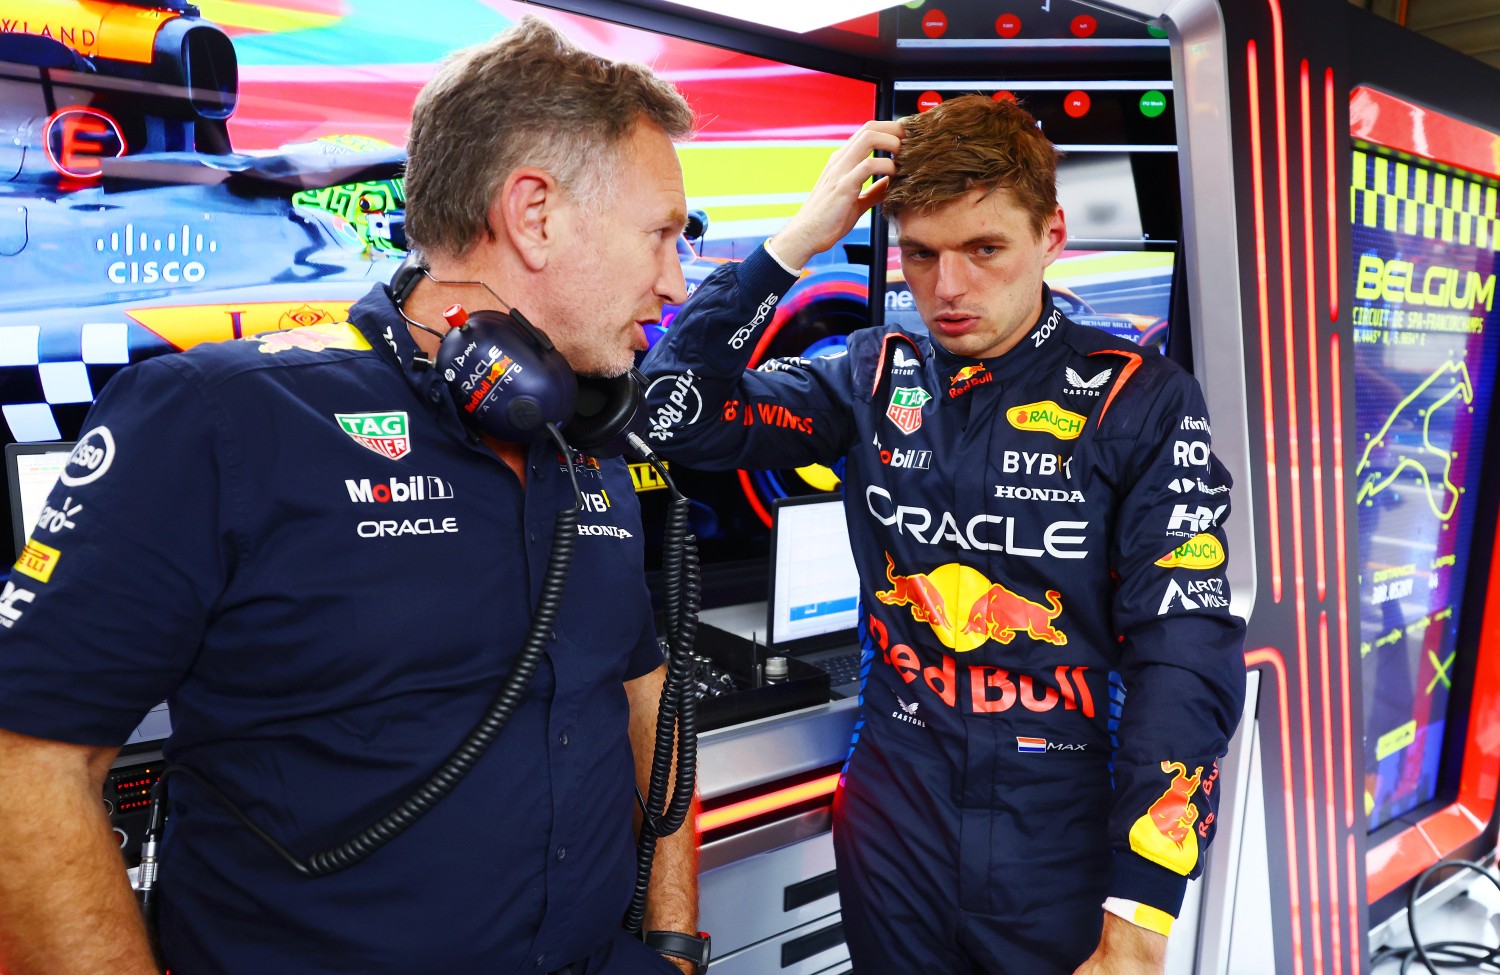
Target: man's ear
(1056, 235)
(524, 211)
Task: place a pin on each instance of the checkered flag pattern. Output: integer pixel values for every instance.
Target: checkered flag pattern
(1420, 202)
(50, 373)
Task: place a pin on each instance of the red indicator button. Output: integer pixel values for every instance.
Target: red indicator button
(1084, 26)
(928, 99)
(934, 23)
(1008, 25)
(1076, 104)
(1004, 96)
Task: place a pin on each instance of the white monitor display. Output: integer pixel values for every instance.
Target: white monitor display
(32, 469)
(814, 581)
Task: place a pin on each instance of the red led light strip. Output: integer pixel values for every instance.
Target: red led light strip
(1271, 657)
(1289, 335)
(1315, 404)
(1257, 176)
(1331, 197)
(738, 812)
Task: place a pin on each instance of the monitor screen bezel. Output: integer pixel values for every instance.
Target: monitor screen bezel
(822, 641)
(13, 454)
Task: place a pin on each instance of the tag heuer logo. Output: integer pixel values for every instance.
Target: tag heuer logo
(385, 433)
(906, 407)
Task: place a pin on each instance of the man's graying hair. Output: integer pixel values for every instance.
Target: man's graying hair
(526, 97)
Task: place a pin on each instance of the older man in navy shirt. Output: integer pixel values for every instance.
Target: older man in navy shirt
(296, 541)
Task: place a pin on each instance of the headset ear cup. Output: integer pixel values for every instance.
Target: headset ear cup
(604, 412)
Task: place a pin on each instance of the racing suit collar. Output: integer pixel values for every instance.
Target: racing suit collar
(1044, 334)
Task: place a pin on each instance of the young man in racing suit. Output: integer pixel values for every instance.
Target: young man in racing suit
(1051, 667)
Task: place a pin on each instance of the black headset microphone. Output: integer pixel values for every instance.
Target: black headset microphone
(509, 381)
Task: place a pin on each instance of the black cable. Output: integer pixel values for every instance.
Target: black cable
(458, 763)
(1440, 954)
(677, 715)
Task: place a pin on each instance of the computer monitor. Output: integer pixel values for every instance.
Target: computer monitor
(30, 471)
(814, 591)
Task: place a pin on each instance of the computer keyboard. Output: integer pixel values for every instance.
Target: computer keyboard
(842, 669)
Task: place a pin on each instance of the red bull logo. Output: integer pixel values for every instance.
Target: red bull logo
(917, 591)
(994, 611)
(991, 690)
(1001, 614)
(497, 372)
(1165, 835)
(967, 378)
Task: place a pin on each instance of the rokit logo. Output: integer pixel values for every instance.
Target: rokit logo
(683, 405)
(916, 460)
(1078, 386)
(1190, 453)
(418, 487)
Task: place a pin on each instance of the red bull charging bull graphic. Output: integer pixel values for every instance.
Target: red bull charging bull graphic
(965, 611)
(1165, 834)
(994, 611)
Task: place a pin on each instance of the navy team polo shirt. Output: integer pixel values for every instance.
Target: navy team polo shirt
(293, 540)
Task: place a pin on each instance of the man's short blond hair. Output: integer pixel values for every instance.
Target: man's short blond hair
(526, 97)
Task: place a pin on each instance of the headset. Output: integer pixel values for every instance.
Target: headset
(509, 381)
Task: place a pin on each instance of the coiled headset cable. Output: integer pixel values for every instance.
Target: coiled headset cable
(679, 699)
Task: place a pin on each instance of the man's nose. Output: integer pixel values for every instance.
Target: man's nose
(671, 285)
(951, 280)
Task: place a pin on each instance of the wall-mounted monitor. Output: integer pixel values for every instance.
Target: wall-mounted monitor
(1426, 351)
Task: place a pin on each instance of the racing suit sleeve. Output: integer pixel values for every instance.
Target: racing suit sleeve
(1182, 654)
(706, 409)
(137, 552)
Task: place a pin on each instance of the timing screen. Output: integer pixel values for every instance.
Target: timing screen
(1425, 345)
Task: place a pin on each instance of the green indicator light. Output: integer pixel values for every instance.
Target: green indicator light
(1155, 31)
(1153, 103)
(915, 4)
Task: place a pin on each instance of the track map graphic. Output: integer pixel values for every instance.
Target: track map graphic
(1430, 463)
(1426, 338)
